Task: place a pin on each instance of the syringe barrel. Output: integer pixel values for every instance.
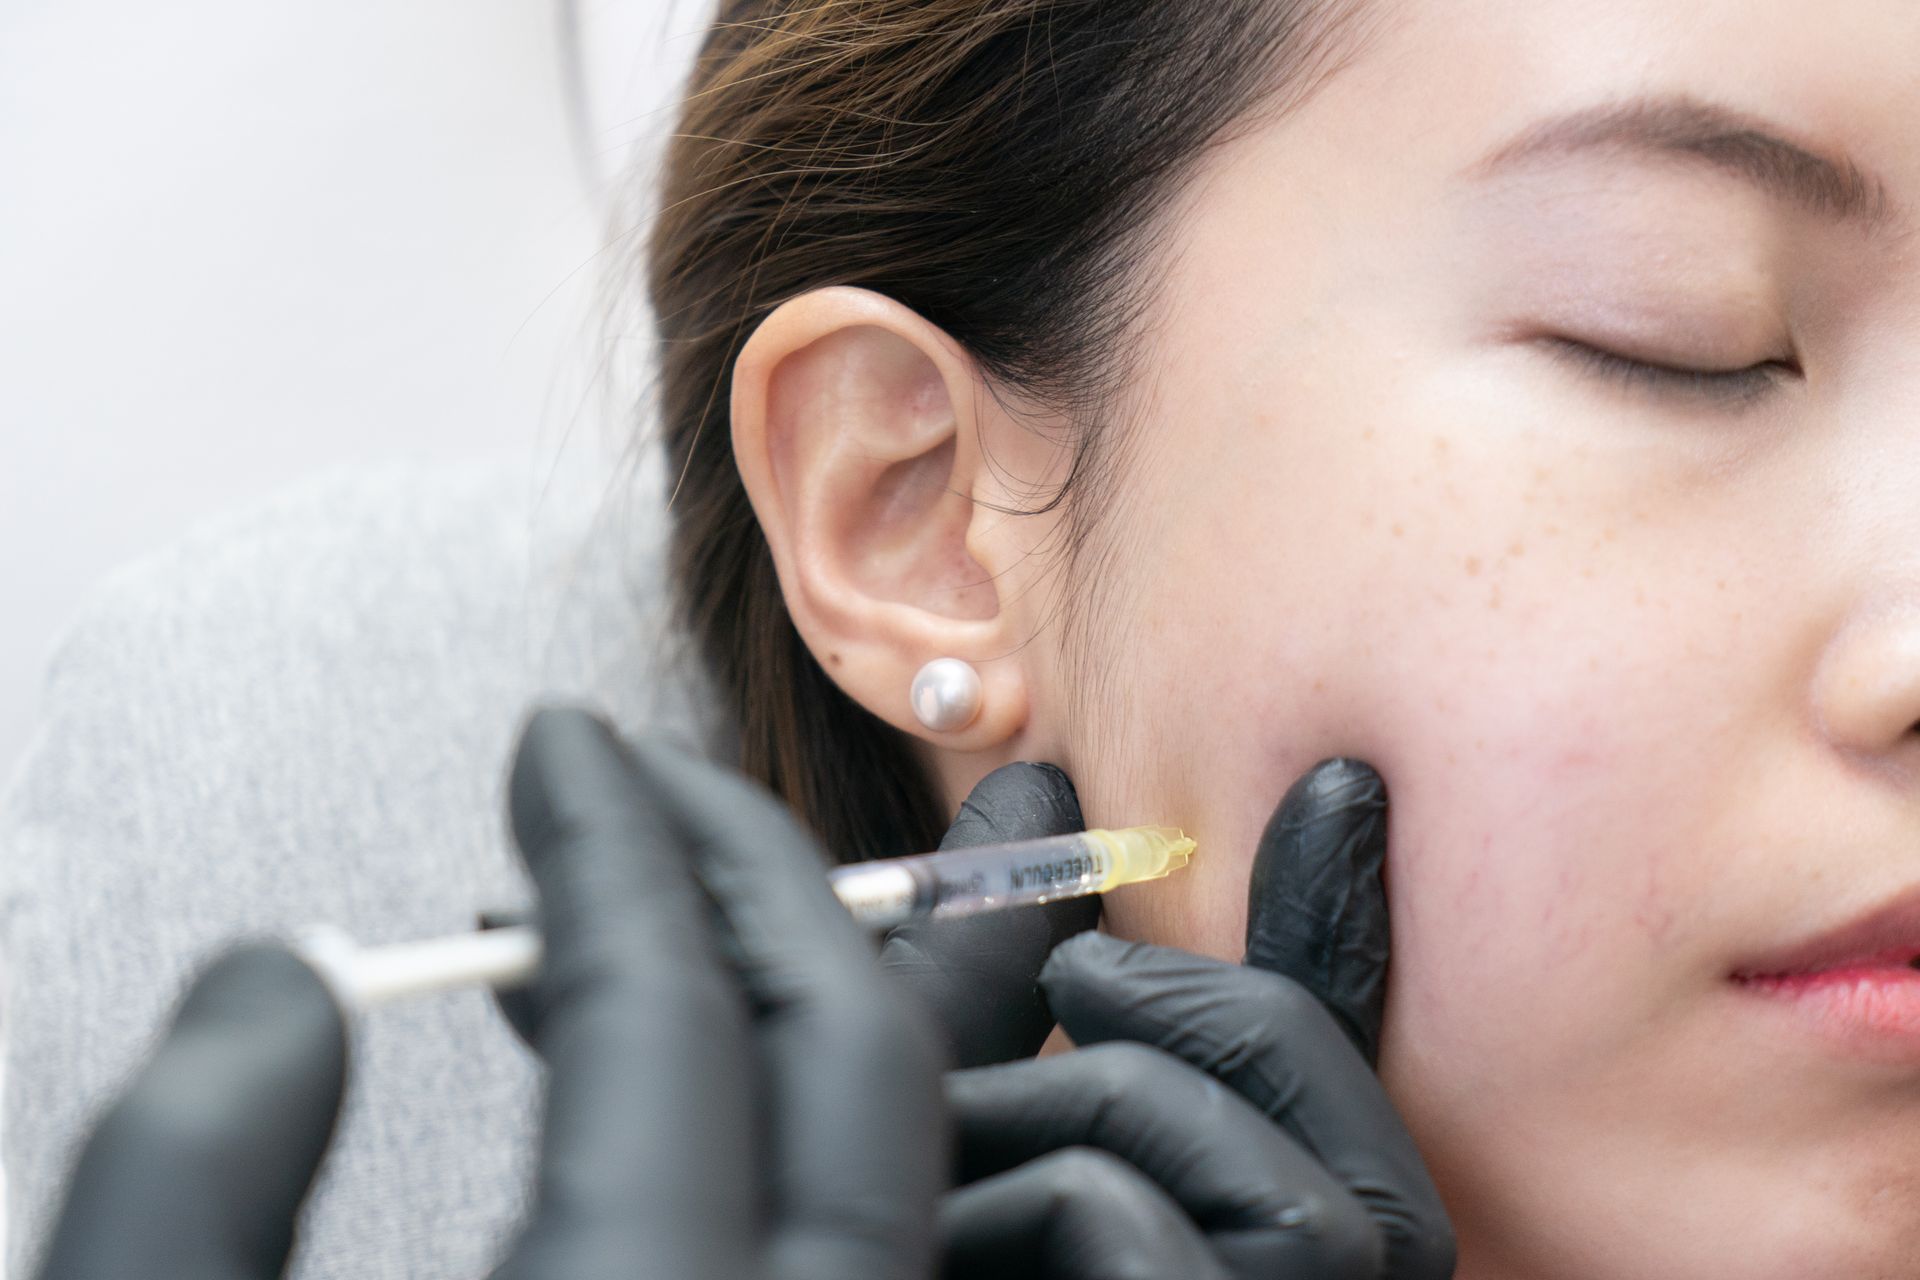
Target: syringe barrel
(960, 882)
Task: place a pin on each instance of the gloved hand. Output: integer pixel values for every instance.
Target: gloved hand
(1126, 1156)
(734, 1090)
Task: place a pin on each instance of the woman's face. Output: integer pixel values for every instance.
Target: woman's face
(1638, 655)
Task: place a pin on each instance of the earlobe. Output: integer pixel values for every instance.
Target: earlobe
(857, 432)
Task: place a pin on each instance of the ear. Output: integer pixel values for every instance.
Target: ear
(860, 431)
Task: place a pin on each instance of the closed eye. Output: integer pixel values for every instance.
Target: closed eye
(1723, 388)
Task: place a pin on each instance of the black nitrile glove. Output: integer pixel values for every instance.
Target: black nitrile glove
(1219, 1120)
(200, 1167)
(734, 1093)
(979, 975)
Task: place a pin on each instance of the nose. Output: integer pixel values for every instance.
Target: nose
(1867, 687)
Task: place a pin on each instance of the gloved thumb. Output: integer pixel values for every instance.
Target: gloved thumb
(979, 974)
(1316, 906)
(201, 1166)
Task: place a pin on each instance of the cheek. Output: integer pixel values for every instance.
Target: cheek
(1532, 864)
(1504, 650)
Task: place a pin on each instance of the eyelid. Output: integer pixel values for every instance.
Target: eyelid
(1728, 388)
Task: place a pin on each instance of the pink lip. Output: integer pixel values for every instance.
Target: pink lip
(1878, 1001)
(1858, 982)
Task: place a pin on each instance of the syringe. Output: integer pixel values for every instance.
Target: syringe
(879, 894)
(961, 882)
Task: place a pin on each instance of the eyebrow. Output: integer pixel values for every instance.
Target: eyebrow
(1688, 129)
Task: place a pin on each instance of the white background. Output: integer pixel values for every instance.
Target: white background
(244, 241)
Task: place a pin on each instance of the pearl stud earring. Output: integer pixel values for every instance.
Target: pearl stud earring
(946, 694)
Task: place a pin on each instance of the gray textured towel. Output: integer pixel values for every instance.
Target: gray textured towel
(303, 713)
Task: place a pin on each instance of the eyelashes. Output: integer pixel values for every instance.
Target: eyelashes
(1719, 388)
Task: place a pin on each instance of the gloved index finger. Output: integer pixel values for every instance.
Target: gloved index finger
(853, 1071)
(648, 1140)
(1317, 914)
(1316, 905)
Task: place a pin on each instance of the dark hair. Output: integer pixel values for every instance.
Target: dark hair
(996, 165)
